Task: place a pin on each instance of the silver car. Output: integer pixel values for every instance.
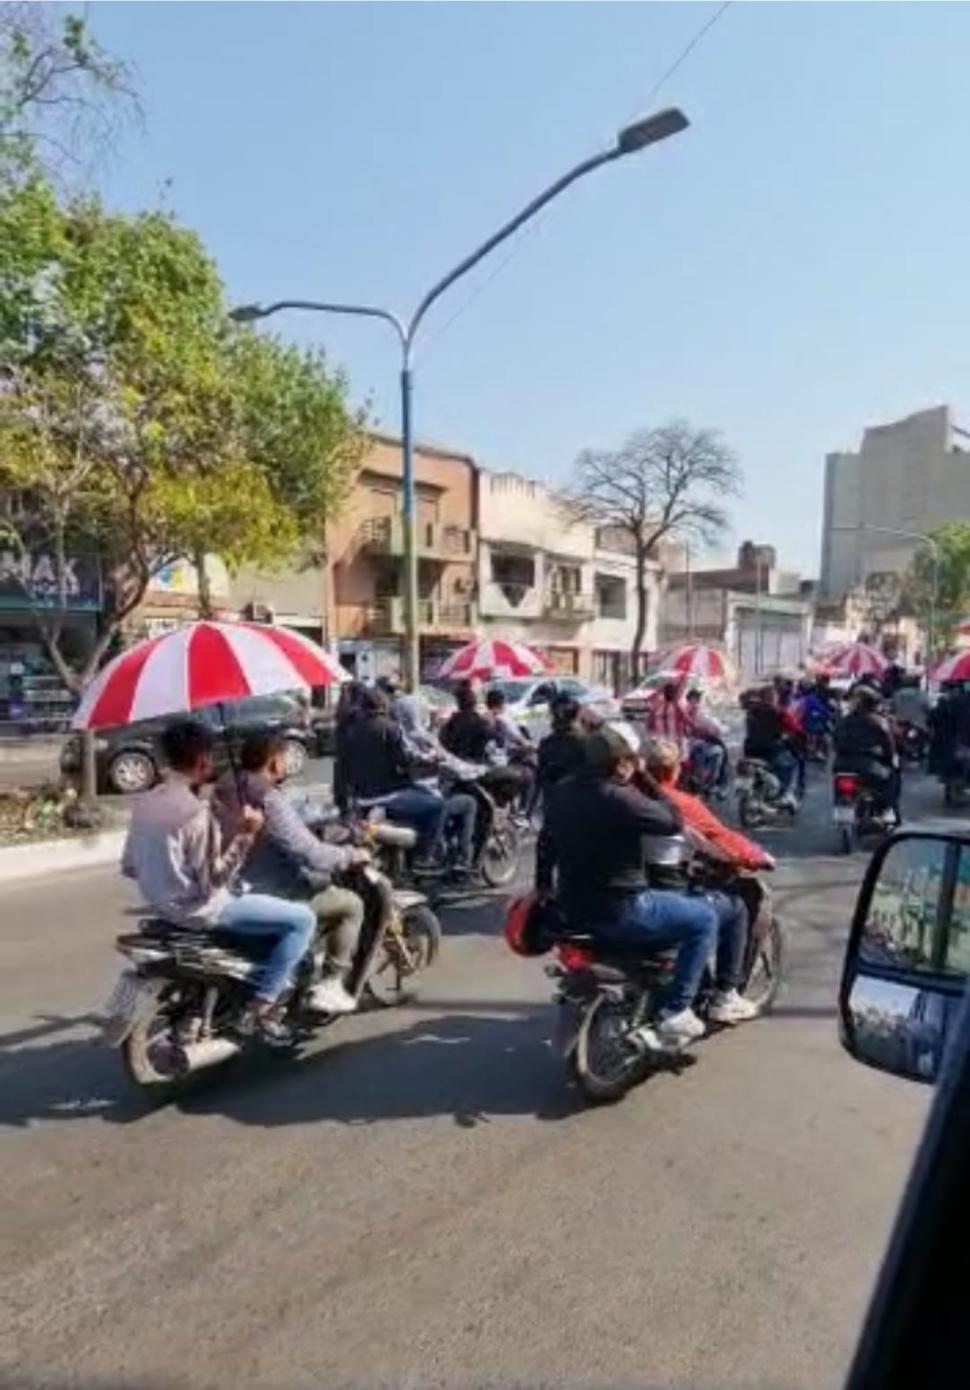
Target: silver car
(527, 700)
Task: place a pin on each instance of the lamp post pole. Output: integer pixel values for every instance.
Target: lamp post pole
(934, 547)
(632, 138)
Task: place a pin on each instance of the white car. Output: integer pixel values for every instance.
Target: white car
(528, 699)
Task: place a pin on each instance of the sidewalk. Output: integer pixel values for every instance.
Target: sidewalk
(43, 857)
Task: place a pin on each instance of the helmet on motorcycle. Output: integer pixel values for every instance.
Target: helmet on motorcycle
(529, 925)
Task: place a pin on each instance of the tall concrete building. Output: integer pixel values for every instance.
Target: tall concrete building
(910, 475)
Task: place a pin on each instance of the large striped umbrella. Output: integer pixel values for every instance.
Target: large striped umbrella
(698, 660)
(854, 659)
(202, 664)
(493, 659)
(953, 668)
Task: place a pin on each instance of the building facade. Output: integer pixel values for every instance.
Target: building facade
(911, 475)
(757, 612)
(560, 584)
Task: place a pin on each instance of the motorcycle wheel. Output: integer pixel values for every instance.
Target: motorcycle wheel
(604, 1064)
(403, 955)
(151, 1055)
(765, 975)
(500, 857)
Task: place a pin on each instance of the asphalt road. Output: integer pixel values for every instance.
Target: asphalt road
(422, 1203)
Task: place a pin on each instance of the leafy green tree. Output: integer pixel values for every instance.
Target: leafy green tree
(136, 422)
(953, 589)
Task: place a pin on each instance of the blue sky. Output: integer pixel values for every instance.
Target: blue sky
(790, 269)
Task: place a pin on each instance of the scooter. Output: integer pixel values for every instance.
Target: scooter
(180, 1006)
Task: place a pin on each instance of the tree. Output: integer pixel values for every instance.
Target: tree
(664, 483)
(137, 424)
(953, 588)
(62, 97)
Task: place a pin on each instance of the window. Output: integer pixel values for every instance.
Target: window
(514, 574)
(565, 579)
(610, 596)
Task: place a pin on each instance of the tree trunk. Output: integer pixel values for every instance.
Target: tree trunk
(641, 601)
(205, 588)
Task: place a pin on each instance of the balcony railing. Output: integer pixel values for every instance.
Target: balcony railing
(385, 616)
(569, 606)
(385, 534)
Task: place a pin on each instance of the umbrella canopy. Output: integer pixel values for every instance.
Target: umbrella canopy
(202, 664)
(696, 659)
(854, 659)
(953, 668)
(494, 660)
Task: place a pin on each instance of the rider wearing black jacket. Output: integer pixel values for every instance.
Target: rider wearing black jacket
(594, 845)
(864, 744)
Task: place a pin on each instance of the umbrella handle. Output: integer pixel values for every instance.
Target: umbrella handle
(236, 770)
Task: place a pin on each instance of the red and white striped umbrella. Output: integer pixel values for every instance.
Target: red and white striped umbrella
(202, 664)
(493, 659)
(953, 668)
(854, 659)
(696, 659)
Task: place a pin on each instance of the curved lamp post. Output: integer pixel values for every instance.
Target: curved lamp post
(632, 138)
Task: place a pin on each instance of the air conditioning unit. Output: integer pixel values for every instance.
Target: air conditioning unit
(259, 613)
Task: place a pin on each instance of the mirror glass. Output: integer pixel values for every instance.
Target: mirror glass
(906, 968)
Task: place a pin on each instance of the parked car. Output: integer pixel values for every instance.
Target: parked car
(129, 757)
(527, 700)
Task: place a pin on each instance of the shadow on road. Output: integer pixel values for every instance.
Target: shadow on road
(468, 1066)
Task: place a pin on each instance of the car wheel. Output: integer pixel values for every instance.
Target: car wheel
(131, 771)
(294, 757)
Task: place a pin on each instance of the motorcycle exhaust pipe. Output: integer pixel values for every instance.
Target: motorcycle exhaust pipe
(209, 1052)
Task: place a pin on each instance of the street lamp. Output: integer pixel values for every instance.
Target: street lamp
(934, 581)
(630, 139)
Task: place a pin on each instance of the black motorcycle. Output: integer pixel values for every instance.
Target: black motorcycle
(759, 795)
(180, 1007)
(606, 997)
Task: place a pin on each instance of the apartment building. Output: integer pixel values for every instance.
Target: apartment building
(909, 476)
(365, 548)
(561, 585)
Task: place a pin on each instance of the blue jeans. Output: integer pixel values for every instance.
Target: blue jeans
(662, 920)
(423, 809)
(785, 766)
(732, 935)
(290, 925)
(710, 759)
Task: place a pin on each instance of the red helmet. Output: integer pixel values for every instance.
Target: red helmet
(526, 927)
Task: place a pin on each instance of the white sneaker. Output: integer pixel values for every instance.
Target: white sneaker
(681, 1028)
(728, 1006)
(331, 997)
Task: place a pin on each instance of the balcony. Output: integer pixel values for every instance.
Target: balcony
(566, 606)
(384, 535)
(385, 616)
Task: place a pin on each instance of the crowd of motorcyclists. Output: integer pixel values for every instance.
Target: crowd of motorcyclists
(624, 816)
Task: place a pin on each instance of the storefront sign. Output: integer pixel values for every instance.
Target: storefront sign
(32, 581)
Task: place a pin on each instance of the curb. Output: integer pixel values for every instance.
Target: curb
(45, 857)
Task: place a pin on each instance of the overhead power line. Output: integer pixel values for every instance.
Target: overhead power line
(532, 227)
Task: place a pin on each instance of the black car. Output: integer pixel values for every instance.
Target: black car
(129, 759)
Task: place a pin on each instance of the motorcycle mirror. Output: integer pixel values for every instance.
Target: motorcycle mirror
(908, 956)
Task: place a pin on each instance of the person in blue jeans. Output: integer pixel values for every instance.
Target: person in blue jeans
(593, 851)
(174, 852)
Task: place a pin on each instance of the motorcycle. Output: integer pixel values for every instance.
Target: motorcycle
(499, 834)
(912, 741)
(758, 790)
(856, 811)
(179, 1007)
(606, 997)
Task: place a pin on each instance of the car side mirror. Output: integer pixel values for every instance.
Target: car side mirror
(908, 956)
